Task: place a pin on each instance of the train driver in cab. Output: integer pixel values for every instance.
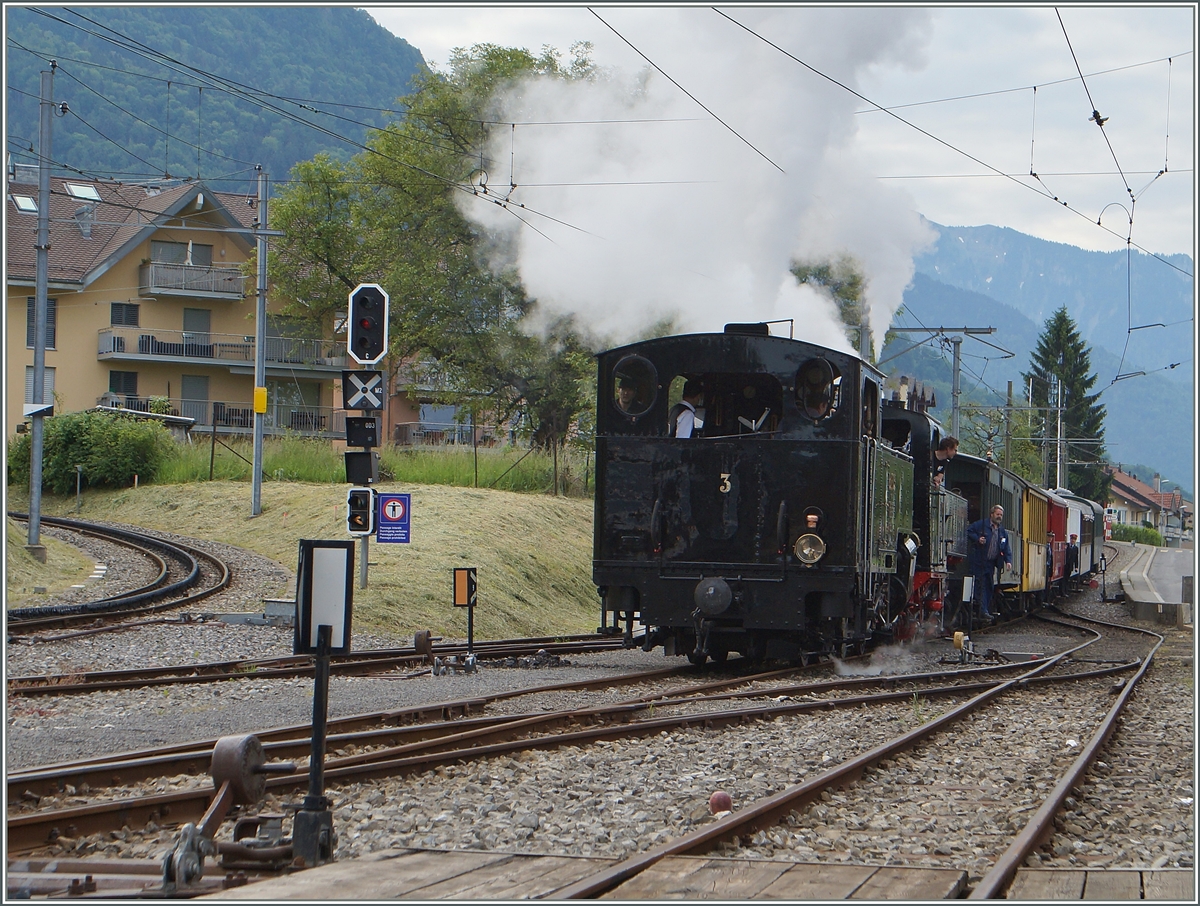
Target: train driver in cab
(683, 418)
(627, 389)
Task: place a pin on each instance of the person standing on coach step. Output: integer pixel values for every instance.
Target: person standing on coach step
(987, 542)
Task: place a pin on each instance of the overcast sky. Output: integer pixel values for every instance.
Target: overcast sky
(964, 75)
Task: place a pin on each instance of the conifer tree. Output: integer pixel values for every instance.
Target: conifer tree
(1061, 354)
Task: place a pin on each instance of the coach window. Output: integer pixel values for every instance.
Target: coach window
(634, 386)
(818, 389)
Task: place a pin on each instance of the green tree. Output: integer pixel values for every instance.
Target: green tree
(1063, 359)
(389, 215)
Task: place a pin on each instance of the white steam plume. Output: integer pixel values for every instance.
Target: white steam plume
(682, 219)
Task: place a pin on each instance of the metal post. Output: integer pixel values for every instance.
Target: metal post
(40, 308)
(312, 828)
(78, 487)
(957, 341)
(475, 442)
(362, 567)
(212, 451)
(260, 344)
(1008, 429)
(1060, 471)
(471, 629)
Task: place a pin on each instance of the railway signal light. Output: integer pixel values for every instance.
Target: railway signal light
(367, 333)
(360, 511)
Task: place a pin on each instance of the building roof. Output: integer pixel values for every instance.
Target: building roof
(1137, 491)
(95, 223)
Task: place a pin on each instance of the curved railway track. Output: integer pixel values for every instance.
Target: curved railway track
(179, 567)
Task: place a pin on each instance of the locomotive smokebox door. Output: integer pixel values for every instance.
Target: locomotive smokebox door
(713, 596)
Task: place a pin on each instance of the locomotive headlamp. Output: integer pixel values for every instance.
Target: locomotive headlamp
(910, 544)
(809, 548)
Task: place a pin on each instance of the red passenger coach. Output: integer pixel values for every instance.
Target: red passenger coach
(1056, 537)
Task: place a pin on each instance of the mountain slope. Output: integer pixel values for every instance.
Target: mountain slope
(1150, 419)
(1105, 292)
(135, 115)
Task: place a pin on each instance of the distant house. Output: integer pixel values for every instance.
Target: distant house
(1133, 502)
(148, 299)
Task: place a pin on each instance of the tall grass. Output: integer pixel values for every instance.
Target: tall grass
(507, 468)
(284, 459)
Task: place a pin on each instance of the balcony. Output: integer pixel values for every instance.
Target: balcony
(156, 278)
(146, 344)
(236, 417)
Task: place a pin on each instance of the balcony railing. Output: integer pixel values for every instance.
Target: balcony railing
(158, 278)
(237, 417)
(142, 343)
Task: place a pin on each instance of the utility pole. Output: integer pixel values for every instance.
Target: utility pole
(957, 341)
(40, 310)
(1060, 449)
(260, 347)
(1008, 429)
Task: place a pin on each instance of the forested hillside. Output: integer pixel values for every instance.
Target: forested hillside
(207, 91)
(1150, 419)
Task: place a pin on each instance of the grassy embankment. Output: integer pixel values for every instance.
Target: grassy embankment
(65, 566)
(533, 551)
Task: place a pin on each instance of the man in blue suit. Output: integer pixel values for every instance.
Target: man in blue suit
(988, 547)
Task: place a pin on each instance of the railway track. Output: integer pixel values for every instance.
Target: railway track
(358, 663)
(179, 569)
(363, 754)
(388, 752)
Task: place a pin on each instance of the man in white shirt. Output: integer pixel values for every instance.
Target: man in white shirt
(683, 413)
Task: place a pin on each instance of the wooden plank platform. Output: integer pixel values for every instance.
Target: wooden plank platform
(703, 878)
(472, 875)
(1103, 884)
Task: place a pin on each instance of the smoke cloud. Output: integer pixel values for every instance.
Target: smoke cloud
(640, 207)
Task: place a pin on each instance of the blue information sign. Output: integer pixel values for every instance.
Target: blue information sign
(393, 523)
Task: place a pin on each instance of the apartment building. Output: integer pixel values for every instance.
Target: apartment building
(150, 308)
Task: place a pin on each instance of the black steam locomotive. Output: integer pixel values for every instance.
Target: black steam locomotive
(799, 519)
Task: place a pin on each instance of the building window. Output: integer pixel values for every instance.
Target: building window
(123, 382)
(83, 191)
(47, 385)
(51, 318)
(124, 314)
(25, 204)
(163, 252)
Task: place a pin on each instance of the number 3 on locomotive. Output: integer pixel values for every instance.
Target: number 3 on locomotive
(725, 485)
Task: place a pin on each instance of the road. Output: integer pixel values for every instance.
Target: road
(1167, 570)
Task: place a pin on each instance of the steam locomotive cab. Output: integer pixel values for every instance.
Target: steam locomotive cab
(772, 529)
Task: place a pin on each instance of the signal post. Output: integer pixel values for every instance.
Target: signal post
(366, 343)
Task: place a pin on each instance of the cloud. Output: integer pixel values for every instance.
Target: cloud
(655, 210)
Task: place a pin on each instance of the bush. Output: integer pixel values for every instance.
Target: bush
(111, 449)
(1138, 533)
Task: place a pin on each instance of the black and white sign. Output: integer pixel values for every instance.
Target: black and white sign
(362, 390)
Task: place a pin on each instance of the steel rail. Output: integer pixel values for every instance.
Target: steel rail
(1041, 824)
(193, 757)
(30, 831)
(769, 811)
(355, 663)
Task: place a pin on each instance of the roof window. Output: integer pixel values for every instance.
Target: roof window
(83, 191)
(25, 203)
